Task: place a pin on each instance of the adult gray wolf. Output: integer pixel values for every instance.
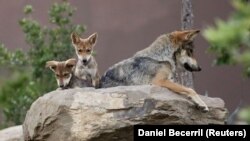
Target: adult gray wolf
(156, 65)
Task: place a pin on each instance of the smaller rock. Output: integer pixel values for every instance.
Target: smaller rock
(12, 134)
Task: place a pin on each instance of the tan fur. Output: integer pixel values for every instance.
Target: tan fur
(70, 63)
(83, 47)
(178, 37)
(84, 50)
(63, 70)
(161, 80)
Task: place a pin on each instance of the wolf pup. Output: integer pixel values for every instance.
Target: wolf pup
(86, 67)
(156, 65)
(64, 73)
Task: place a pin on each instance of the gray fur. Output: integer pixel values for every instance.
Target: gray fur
(161, 50)
(156, 64)
(86, 70)
(76, 82)
(143, 66)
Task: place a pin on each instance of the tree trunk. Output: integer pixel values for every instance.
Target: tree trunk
(182, 76)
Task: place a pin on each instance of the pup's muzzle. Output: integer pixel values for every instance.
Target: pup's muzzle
(84, 61)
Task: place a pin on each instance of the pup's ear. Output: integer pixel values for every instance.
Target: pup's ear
(70, 63)
(52, 65)
(75, 38)
(93, 38)
(183, 36)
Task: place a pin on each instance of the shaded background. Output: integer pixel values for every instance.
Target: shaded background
(126, 26)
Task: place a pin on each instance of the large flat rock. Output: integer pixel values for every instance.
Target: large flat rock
(109, 114)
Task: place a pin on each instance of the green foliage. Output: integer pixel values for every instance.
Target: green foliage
(16, 97)
(29, 77)
(28, 9)
(230, 40)
(244, 114)
(12, 59)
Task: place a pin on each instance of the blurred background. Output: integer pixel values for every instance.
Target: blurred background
(124, 27)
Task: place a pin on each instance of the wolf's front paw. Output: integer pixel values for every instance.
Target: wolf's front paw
(59, 89)
(203, 108)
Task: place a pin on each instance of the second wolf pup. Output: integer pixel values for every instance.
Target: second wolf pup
(86, 67)
(64, 73)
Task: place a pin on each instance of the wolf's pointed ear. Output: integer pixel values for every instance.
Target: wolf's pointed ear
(70, 63)
(183, 36)
(191, 34)
(75, 38)
(93, 38)
(52, 65)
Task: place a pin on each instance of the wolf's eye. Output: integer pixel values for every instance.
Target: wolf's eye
(66, 75)
(79, 50)
(57, 75)
(88, 50)
(190, 52)
(53, 67)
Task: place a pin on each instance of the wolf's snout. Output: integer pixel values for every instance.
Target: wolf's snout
(196, 68)
(84, 61)
(199, 68)
(192, 67)
(187, 67)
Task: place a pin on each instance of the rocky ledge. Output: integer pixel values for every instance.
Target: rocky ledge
(109, 114)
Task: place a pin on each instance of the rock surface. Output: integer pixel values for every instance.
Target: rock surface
(12, 134)
(109, 114)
